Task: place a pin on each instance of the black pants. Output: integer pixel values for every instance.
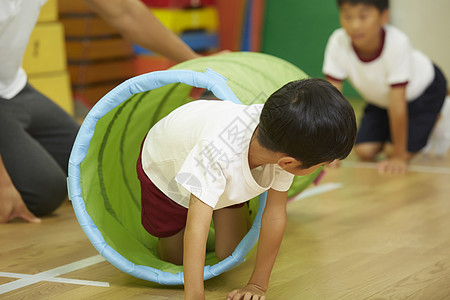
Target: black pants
(36, 138)
(422, 115)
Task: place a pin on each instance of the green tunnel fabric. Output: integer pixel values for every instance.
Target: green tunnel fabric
(108, 181)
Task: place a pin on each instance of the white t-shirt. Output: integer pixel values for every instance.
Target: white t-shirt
(202, 148)
(17, 20)
(398, 63)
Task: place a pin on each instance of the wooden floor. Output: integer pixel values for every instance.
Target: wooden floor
(357, 235)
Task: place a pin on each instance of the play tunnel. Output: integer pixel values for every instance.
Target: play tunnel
(103, 184)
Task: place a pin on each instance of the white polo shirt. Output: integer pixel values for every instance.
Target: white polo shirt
(397, 64)
(17, 20)
(202, 148)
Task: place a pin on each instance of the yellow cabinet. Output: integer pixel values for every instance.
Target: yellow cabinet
(45, 58)
(56, 86)
(49, 11)
(46, 50)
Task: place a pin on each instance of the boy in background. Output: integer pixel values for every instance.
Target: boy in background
(207, 158)
(404, 90)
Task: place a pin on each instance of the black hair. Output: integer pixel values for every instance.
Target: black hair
(381, 5)
(309, 120)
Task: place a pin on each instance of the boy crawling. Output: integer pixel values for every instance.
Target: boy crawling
(207, 158)
(404, 90)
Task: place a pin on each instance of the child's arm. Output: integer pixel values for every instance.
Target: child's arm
(195, 236)
(273, 224)
(398, 121)
(337, 83)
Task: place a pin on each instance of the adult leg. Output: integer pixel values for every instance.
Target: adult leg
(50, 125)
(37, 175)
(231, 225)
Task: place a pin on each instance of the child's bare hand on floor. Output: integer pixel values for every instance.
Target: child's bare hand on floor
(393, 166)
(250, 292)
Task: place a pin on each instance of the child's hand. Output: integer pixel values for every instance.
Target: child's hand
(393, 165)
(250, 292)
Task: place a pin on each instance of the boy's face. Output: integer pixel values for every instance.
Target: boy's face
(362, 23)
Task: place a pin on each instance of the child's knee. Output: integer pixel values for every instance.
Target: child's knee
(231, 225)
(368, 151)
(170, 249)
(222, 253)
(170, 256)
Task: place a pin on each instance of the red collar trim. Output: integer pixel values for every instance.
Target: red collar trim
(377, 54)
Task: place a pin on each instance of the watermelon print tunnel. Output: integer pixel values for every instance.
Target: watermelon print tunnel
(103, 184)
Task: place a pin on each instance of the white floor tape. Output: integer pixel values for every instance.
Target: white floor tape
(50, 275)
(320, 189)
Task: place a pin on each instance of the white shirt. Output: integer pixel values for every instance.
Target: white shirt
(17, 20)
(202, 148)
(397, 63)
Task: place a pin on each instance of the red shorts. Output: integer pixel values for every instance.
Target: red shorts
(160, 216)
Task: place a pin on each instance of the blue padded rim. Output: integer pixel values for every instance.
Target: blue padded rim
(210, 80)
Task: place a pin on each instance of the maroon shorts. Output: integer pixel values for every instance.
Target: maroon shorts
(160, 216)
